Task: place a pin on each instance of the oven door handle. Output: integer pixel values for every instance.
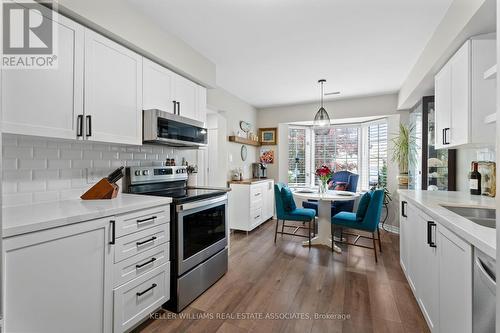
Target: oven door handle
(202, 203)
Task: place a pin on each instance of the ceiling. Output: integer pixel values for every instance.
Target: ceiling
(272, 52)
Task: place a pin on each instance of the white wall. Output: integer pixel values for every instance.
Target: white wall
(121, 21)
(234, 110)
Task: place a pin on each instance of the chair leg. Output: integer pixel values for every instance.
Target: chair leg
(374, 246)
(332, 229)
(341, 234)
(283, 227)
(379, 242)
(309, 233)
(276, 231)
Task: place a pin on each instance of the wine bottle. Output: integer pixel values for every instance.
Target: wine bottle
(475, 180)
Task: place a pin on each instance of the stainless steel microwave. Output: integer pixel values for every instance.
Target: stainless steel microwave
(169, 129)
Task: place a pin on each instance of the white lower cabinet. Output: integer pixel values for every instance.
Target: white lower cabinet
(250, 205)
(64, 275)
(88, 277)
(438, 267)
(455, 283)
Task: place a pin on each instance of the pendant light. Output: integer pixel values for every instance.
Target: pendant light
(322, 119)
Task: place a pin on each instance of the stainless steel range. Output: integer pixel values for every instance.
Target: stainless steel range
(198, 229)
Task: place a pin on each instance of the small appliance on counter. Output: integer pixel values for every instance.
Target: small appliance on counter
(259, 170)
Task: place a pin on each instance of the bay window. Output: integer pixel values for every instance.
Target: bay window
(359, 148)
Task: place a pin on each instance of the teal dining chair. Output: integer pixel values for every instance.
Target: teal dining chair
(366, 218)
(286, 210)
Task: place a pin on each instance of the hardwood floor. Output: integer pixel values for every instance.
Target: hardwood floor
(297, 289)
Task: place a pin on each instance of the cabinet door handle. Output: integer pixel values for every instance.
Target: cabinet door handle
(179, 108)
(430, 225)
(146, 220)
(79, 125)
(445, 139)
(146, 263)
(443, 136)
(113, 232)
(257, 217)
(175, 107)
(89, 125)
(152, 239)
(403, 208)
(145, 291)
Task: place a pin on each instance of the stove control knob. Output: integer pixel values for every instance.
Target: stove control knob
(178, 171)
(137, 172)
(145, 172)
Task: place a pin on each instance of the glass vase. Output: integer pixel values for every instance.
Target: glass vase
(322, 187)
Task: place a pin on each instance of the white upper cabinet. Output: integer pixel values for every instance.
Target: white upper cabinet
(168, 91)
(186, 95)
(157, 87)
(464, 98)
(47, 102)
(113, 91)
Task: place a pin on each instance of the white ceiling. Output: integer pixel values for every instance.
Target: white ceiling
(272, 52)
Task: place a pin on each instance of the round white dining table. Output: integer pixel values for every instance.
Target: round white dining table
(324, 236)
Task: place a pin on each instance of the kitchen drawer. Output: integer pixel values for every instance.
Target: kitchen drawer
(134, 300)
(141, 219)
(255, 217)
(256, 202)
(128, 269)
(255, 191)
(130, 245)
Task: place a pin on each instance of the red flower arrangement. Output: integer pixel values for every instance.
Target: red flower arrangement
(324, 173)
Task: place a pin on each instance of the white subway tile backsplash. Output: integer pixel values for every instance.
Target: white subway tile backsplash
(81, 164)
(17, 152)
(59, 164)
(67, 154)
(17, 199)
(50, 153)
(59, 184)
(32, 164)
(45, 174)
(16, 175)
(31, 186)
(91, 155)
(9, 163)
(41, 169)
(45, 196)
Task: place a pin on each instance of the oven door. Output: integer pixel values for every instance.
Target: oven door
(201, 231)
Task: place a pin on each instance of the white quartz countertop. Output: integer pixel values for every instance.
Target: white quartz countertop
(29, 218)
(431, 202)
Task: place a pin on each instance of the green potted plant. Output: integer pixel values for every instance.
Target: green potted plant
(404, 151)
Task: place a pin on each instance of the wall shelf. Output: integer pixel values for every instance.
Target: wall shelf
(490, 73)
(244, 141)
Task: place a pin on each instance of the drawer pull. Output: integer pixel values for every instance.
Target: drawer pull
(146, 241)
(256, 194)
(145, 291)
(146, 263)
(146, 220)
(257, 217)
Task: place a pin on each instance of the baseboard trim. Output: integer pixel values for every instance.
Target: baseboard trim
(391, 228)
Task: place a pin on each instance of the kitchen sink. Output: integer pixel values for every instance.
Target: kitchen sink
(482, 216)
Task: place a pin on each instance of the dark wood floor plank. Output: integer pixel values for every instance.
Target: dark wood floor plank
(347, 292)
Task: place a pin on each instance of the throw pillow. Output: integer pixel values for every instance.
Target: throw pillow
(287, 198)
(363, 206)
(340, 186)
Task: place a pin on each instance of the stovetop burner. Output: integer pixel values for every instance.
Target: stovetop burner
(166, 182)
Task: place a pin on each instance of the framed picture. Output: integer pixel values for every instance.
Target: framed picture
(268, 136)
(266, 155)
